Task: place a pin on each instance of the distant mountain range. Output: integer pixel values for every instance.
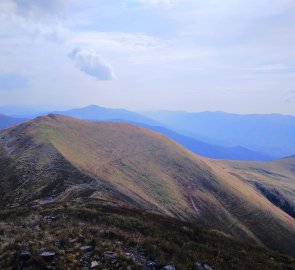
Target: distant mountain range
(273, 134)
(67, 159)
(210, 150)
(210, 134)
(97, 113)
(8, 121)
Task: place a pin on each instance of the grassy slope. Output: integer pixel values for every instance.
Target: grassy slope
(138, 167)
(277, 177)
(112, 228)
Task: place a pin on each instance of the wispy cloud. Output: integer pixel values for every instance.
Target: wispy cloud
(35, 18)
(180, 49)
(92, 64)
(119, 42)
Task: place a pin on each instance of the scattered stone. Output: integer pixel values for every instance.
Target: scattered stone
(109, 254)
(87, 254)
(47, 255)
(47, 200)
(94, 264)
(202, 266)
(169, 267)
(87, 248)
(49, 219)
(152, 266)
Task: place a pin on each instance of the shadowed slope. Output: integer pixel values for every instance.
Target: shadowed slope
(275, 180)
(68, 158)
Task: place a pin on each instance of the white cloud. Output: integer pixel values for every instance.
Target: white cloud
(92, 64)
(175, 51)
(41, 9)
(35, 18)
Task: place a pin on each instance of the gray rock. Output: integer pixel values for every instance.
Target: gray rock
(152, 266)
(94, 264)
(169, 267)
(202, 266)
(110, 254)
(47, 255)
(86, 248)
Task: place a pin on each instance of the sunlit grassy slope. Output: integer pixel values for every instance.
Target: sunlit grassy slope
(67, 159)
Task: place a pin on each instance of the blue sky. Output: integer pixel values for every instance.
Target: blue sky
(195, 55)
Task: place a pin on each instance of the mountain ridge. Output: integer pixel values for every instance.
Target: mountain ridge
(66, 158)
(201, 145)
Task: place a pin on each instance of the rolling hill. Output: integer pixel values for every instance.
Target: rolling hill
(271, 134)
(60, 158)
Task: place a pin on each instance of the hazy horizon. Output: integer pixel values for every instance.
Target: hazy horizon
(19, 110)
(149, 55)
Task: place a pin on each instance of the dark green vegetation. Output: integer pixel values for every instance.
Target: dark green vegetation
(135, 236)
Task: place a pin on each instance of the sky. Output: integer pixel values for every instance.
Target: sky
(194, 55)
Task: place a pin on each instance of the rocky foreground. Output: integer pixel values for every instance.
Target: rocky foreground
(95, 235)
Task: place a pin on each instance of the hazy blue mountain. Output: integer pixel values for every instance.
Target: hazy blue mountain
(8, 121)
(214, 135)
(271, 134)
(97, 113)
(27, 112)
(210, 150)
